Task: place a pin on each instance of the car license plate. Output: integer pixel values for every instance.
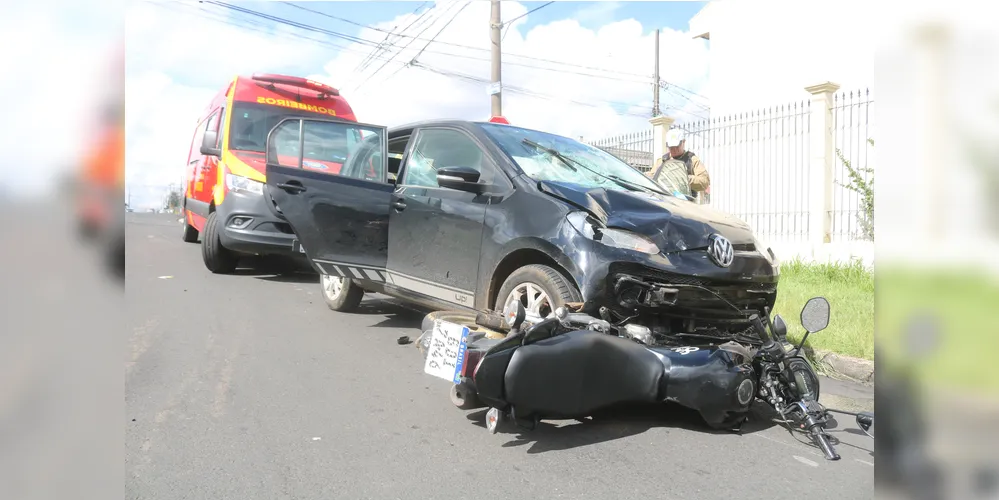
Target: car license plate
(446, 352)
(297, 247)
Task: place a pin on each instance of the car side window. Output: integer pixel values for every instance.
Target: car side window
(335, 148)
(438, 148)
(283, 148)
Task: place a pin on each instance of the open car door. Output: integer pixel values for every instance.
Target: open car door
(340, 215)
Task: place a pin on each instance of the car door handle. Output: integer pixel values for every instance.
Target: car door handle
(399, 205)
(292, 188)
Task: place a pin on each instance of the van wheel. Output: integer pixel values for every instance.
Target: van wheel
(218, 259)
(190, 233)
(540, 289)
(340, 294)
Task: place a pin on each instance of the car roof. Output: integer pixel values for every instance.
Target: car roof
(440, 123)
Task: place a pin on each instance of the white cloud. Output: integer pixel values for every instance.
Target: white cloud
(172, 75)
(574, 104)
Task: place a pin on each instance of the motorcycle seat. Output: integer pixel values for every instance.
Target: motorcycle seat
(577, 373)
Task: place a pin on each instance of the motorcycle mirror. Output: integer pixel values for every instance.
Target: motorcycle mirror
(865, 420)
(514, 314)
(815, 315)
(780, 329)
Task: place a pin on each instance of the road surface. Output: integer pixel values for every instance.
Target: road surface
(247, 387)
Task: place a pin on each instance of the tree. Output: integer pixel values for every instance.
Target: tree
(863, 187)
(173, 200)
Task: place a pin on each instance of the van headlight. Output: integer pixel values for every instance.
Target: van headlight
(243, 184)
(617, 238)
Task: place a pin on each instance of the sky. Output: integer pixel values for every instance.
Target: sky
(580, 69)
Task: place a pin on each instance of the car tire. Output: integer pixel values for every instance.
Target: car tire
(190, 233)
(218, 259)
(555, 286)
(344, 298)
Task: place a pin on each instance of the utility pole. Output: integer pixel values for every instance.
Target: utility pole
(496, 89)
(655, 82)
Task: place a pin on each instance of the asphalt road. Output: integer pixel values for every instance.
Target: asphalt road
(247, 386)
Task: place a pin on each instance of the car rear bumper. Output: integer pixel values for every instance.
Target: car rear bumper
(249, 226)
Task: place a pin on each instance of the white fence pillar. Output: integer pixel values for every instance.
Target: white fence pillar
(660, 126)
(820, 164)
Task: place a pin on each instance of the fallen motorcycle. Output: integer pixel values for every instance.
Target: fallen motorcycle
(570, 365)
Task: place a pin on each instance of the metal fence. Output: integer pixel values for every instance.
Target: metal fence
(851, 131)
(635, 148)
(759, 163)
(758, 166)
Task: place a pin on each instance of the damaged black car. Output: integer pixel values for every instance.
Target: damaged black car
(462, 215)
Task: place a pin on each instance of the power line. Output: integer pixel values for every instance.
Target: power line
(375, 44)
(380, 45)
(367, 60)
(528, 12)
(407, 45)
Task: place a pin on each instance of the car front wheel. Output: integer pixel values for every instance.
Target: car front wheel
(539, 288)
(340, 294)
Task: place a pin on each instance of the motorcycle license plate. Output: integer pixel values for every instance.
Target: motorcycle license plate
(446, 352)
(297, 247)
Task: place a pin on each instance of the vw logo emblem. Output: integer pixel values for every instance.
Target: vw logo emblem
(721, 251)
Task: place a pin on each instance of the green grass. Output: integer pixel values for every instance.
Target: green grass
(849, 288)
(963, 304)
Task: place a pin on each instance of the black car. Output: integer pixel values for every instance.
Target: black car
(467, 215)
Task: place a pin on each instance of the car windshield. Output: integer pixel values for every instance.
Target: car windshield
(600, 169)
(251, 122)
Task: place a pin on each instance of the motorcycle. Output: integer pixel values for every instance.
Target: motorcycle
(570, 365)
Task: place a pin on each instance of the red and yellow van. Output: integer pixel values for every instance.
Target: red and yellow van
(225, 200)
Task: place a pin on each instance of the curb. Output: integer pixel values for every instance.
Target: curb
(844, 367)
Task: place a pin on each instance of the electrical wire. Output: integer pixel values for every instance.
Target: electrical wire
(526, 13)
(367, 60)
(375, 44)
(448, 23)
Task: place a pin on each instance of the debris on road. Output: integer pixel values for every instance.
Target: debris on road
(404, 340)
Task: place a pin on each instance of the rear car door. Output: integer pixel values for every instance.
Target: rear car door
(340, 216)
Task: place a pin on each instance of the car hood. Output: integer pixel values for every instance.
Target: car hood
(671, 223)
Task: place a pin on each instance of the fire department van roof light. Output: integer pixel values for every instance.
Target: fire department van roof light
(499, 119)
(296, 81)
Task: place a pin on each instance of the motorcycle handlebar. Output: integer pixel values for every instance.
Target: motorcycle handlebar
(761, 331)
(823, 443)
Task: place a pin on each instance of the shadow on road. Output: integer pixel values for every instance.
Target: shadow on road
(397, 315)
(616, 423)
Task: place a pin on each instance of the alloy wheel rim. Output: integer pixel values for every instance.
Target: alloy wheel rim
(332, 286)
(534, 299)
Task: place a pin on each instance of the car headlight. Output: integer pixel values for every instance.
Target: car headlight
(768, 253)
(617, 238)
(243, 184)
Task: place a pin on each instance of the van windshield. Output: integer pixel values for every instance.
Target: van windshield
(251, 122)
(599, 169)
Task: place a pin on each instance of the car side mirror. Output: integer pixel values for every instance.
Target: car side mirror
(815, 315)
(780, 329)
(459, 178)
(208, 142)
